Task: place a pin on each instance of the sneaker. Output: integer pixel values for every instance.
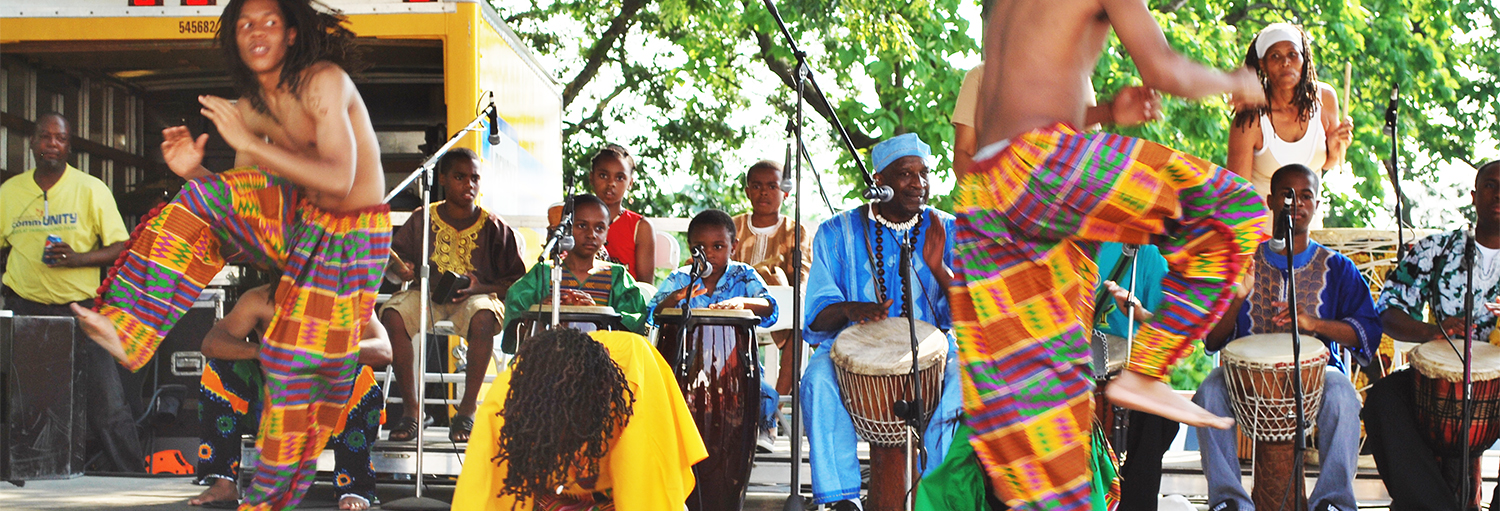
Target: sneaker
(765, 442)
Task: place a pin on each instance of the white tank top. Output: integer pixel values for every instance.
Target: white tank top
(1274, 153)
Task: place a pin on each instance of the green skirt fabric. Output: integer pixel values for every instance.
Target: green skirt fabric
(958, 483)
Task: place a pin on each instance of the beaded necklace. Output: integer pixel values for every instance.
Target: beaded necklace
(897, 230)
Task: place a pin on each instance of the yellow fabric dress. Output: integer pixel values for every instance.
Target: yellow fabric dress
(649, 465)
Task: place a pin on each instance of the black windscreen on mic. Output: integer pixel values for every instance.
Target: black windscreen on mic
(786, 170)
(701, 266)
(1279, 224)
(494, 123)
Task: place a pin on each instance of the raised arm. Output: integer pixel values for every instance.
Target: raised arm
(329, 169)
(1164, 69)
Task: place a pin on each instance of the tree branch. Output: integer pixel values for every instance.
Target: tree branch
(596, 54)
(598, 111)
(1236, 16)
(814, 99)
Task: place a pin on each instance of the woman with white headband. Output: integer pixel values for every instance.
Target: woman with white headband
(1301, 122)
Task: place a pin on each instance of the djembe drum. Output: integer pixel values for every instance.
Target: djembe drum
(1258, 374)
(1437, 386)
(587, 318)
(873, 362)
(721, 383)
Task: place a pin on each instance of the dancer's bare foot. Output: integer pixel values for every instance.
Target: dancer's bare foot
(354, 503)
(98, 328)
(1145, 394)
(222, 490)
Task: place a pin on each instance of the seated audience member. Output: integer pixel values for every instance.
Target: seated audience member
(42, 278)
(586, 280)
(730, 285)
(465, 240)
(581, 422)
(632, 240)
(1431, 278)
(232, 387)
(1333, 306)
(765, 239)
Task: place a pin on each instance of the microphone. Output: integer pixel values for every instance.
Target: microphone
(701, 266)
(494, 122)
(1469, 248)
(786, 168)
(879, 193)
(1279, 226)
(1393, 108)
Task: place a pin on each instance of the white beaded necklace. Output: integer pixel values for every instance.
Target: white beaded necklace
(901, 227)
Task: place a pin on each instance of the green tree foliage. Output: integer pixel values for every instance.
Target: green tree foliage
(673, 79)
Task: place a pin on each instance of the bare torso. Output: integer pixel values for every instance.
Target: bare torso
(293, 125)
(1039, 59)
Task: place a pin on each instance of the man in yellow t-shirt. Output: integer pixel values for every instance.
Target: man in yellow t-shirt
(55, 199)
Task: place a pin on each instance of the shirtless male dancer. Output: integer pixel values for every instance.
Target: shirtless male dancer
(1032, 212)
(306, 198)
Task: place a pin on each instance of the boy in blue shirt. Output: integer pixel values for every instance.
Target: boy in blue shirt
(729, 285)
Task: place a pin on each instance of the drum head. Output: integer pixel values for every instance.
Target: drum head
(883, 348)
(676, 312)
(1441, 360)
(575, 309)
(1272, 349)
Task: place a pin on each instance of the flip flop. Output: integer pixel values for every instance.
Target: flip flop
(222, 504)
(460, 425)
(404, 430)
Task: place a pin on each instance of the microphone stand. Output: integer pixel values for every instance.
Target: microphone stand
(1467, 396)
(1391, 128)
(425, 172)
(1299, 440)
(911, 411)
(563, 244)
(803, 76)
(694, 277)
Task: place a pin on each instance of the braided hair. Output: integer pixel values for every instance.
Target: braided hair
(567, 400)
(1304, 94)
(320, 36)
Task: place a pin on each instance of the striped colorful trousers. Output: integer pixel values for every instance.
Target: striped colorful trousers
(233, 391)
(331, 264)
(1030, 219)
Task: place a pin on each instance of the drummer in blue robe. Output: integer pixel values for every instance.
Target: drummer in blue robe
(1334, 308)
(728, 285)
(856, 278)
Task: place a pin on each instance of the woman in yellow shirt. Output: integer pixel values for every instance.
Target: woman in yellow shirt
(599, 415)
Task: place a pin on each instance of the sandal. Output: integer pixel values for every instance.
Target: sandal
(404, 430)
(460, 426)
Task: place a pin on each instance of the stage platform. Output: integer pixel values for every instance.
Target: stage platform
(769, 483)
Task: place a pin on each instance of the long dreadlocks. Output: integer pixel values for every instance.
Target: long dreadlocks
(1304, 95)
(567, 400)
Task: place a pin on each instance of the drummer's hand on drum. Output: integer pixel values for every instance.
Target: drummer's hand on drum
(1453, 327)
(677, 296)
(866, 312)
(1306, 321)
(575, 297)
